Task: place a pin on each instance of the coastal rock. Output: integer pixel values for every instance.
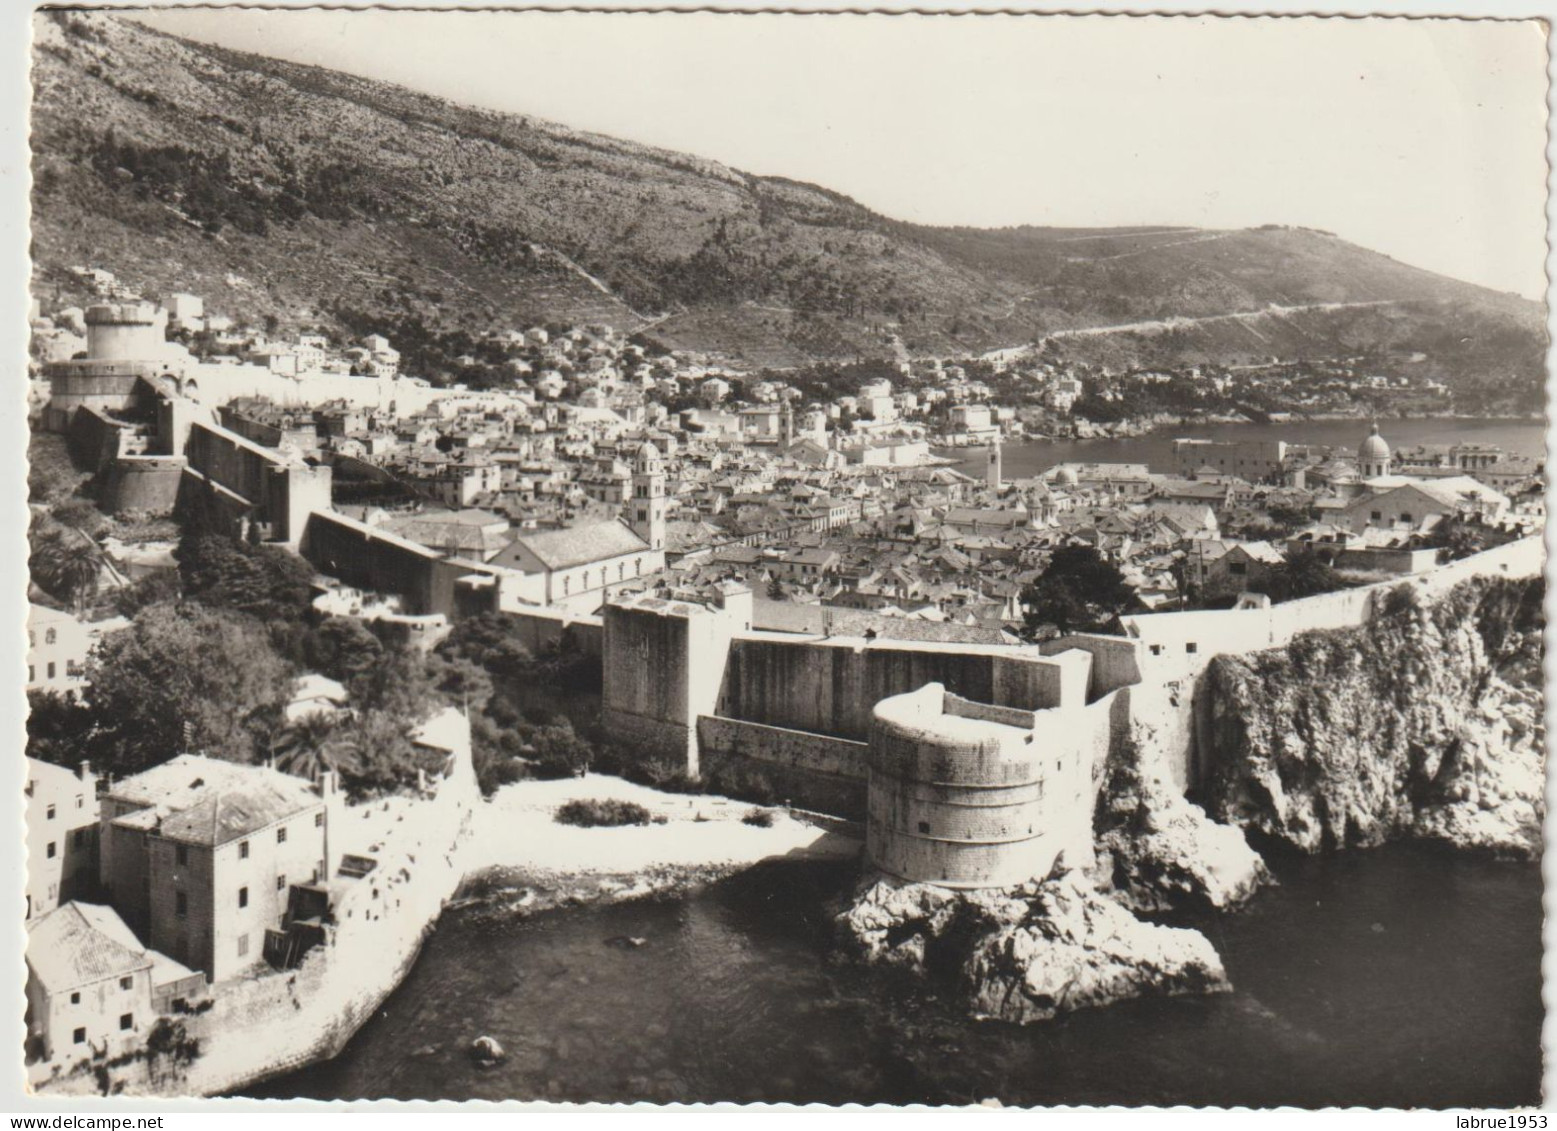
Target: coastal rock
(486, 1051)
(1027, 953)
(1425, 722)
(1157, 851)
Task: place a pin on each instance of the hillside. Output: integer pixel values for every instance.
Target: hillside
(310, 195)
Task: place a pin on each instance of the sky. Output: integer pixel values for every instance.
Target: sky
(1422, 139)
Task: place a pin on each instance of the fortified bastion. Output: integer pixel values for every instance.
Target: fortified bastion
(970, 795)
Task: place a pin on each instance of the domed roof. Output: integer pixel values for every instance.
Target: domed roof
(1373, 448)
(648, 451)
(1067, 477)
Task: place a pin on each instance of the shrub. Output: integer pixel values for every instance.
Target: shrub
(590, 814)
(1401, 599)
(760, 818)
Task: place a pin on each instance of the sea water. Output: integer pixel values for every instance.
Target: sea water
(1022, 459)
(1400, 976)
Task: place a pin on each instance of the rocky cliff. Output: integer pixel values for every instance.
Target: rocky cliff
(1426, 722)
(1158, 852)
(1027, 953)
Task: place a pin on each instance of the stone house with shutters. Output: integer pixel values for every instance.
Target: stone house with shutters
(200, 856)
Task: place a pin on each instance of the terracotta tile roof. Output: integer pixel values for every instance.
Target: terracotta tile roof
(81, 943)
(206, 801)
(577, 545)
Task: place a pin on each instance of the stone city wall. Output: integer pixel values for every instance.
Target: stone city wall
(143, 483)
(544, 630)
(95, 441)
(813, 771)
(375, 560)
(284, 492)
(1177, 647)
(830, 686)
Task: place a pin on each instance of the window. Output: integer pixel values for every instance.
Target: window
(566, 583)
(32, 674)
(1156, 649)
(243, 945)
(281, 883)
(1375, 514)
(1237, 568)
(180, 904)
(75, 998)
(32, 639)
(80, 802)
(52, 850)
(51, 669)
(50, 636)
(79, 1036)
(1192, 647)
(243, 850)
(126, 1021)
(243, 897)
(318, 820)
(181, 853)
(127, 982)
(281, 835)
(1405, 516)
(51, 812)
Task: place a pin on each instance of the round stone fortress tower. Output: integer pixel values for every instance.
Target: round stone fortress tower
(964, 795)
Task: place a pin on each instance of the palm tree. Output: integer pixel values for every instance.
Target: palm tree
(68, 565)
(305, 747)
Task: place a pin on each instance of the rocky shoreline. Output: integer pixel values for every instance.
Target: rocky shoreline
(518, 892)
(1027, 953)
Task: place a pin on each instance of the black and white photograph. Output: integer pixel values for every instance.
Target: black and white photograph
(653, 557)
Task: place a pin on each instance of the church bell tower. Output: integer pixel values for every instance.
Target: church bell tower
(647, 512)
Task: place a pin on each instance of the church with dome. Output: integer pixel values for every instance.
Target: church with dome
(1373, 457)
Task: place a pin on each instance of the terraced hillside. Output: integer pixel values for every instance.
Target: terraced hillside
(314, 196)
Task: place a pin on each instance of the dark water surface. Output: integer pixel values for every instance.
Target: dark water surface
(1397, 977)
(1019, 460)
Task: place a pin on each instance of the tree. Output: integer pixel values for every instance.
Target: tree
(374, 754)
(558, 751)
(68, 565)
(342, 648)
(1079, 591)
(267, 582)
(1455, 538)
(775, 588)
(160, 586)
(1183, 579)
(490, 640)
(80, 514)
(184, 678)
(398, 684)
(59, 728)
(303, 747)
(1303, 574)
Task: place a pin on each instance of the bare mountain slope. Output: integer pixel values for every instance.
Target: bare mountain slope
(307, 194)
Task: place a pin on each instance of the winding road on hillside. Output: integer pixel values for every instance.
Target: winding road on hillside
(1157, 326)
